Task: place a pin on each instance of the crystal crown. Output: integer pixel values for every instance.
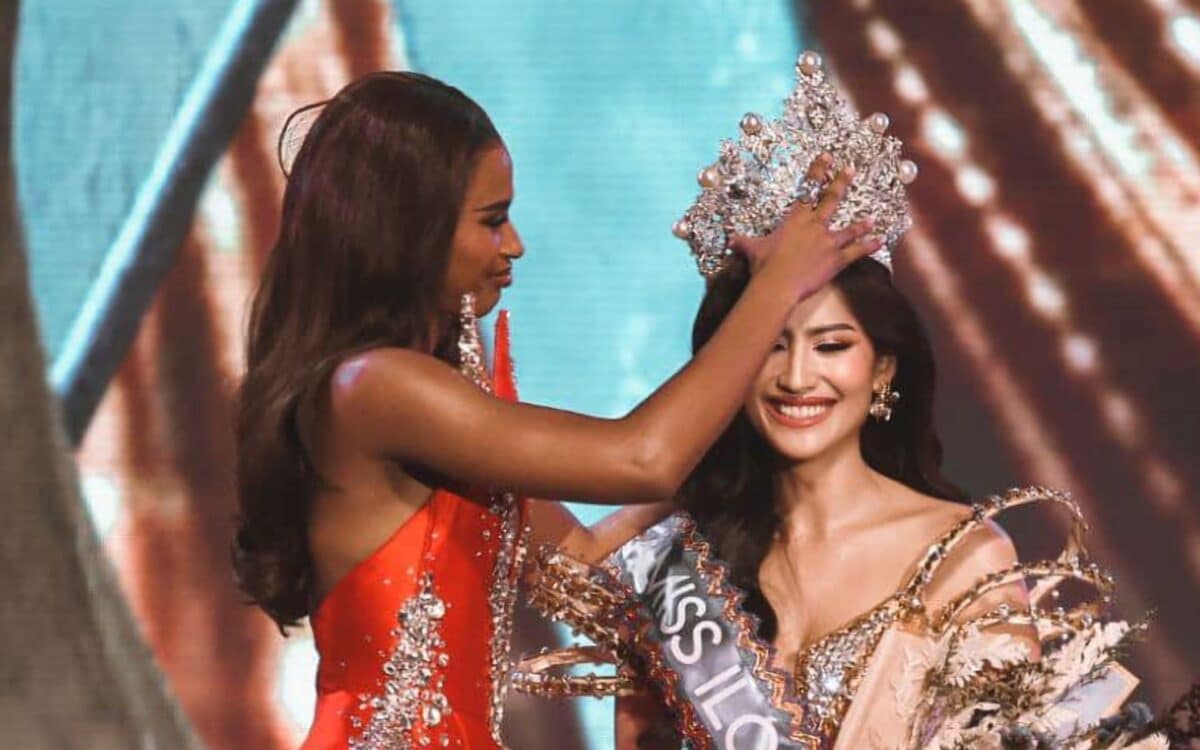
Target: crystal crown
(756, 178)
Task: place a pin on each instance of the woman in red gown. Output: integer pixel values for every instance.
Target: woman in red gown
(380, 491)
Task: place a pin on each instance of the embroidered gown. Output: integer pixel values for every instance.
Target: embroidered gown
(615, 603)
(413, 641)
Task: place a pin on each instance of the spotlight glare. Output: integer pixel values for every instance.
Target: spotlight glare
(1184, 33)
(295, 677)
(103, 500)
(1120, 412)
(975, 184)
(1080, 352)
(1046, 296)
(883, 38)
(910, 86)
(944, 133)
(1012, 241)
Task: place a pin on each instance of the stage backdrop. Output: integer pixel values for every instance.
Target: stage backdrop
(1055, 261)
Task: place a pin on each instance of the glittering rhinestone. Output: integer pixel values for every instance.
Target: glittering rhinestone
(817, 115)
(431, 715)
(409, 683)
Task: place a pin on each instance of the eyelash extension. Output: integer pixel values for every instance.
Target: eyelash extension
(833, 346)
(497, 221)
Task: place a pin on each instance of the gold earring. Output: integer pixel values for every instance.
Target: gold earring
(882, 401)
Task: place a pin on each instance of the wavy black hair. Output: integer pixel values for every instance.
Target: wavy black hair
(731, 492)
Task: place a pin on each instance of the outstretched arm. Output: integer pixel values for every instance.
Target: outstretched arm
(413, 408)
(552, 523)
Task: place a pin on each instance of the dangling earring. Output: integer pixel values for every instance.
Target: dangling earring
(882, 401)
(470, 345)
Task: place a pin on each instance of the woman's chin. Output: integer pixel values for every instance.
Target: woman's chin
(486, 301)
(794, 452)
(798, 446)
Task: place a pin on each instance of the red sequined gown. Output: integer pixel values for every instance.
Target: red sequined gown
(413, 641)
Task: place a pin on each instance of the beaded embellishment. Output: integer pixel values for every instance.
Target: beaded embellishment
(502, 600)
(829, 671)
(510, 556)
(470, 345)
(412, 702)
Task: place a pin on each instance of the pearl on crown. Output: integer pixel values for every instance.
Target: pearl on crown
(810, 62)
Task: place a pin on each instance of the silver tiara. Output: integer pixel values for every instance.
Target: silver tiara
(756, 178)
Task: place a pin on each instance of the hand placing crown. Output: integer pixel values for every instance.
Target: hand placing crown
(756, 178)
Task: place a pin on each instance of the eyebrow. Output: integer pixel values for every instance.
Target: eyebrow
(497, 206)
(818, 330)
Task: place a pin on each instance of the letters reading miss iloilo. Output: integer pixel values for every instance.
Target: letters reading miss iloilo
(715, 671)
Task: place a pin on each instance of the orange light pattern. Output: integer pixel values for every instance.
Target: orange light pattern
(1056, 211)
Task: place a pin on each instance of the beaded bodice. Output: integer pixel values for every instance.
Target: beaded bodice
(828, 672)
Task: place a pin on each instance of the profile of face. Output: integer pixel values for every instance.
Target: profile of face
(812, 394)
(485, 241)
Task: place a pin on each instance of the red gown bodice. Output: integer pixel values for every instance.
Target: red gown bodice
(413, 641)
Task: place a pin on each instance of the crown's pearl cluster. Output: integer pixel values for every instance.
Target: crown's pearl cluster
(752, 124)
(756, 179)
(709, 177)
(809, 63)
(682, 229)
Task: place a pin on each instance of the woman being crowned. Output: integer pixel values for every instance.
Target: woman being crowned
(826, 584)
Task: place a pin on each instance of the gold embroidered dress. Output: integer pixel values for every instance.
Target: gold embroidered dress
(896, 676)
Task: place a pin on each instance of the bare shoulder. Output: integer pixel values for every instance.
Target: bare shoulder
(373, 394)
(989, 548)
(364, 373)
(986, 549)
(925, 517)
(385, 377)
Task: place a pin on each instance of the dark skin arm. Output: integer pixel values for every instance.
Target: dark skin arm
(409, 407)
(554, 524)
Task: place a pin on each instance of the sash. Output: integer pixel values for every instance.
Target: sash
(697, 644)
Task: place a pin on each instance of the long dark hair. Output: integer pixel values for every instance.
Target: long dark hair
(369, 214)
(731, 493)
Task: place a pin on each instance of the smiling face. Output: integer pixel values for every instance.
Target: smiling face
(814, 389)
(485, 241)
